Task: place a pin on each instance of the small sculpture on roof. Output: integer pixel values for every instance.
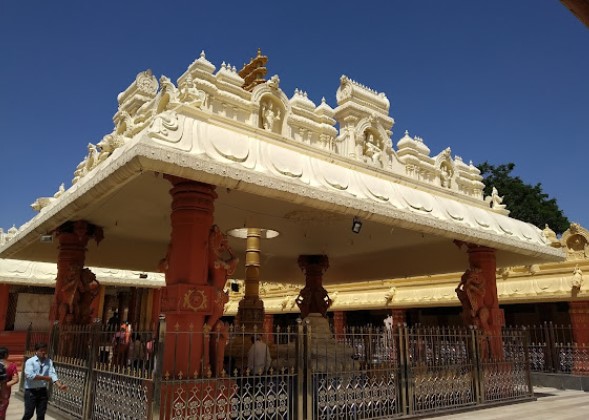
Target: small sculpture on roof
(270, 116)
(372, 149)
(87, 164)
(191, 95)
(550, 237)
(495, 200)
(577, 280)
(60, 191)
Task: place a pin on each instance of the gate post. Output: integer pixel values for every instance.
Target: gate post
(403, 357)
(476, 366)
(300, 355)
(308, 371)
(526, 343)
(94, 345)
(157, 360)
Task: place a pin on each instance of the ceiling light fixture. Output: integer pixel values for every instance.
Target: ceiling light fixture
(356, 225)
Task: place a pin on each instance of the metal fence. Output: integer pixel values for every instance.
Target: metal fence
(553, 349)
(109, 372)
(366, 373)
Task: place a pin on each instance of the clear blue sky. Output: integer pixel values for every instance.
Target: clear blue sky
(503, 80)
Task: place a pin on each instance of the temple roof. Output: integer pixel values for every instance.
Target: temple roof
(284, 164)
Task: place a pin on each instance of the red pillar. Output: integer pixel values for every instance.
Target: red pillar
(156, 307)
(579, 314)
(133, 314)
(4, 292)
(339, 324)
(123, 306)
(399, 317)
(268, 328)
(187, 297)
(477, 292)
(73, 238)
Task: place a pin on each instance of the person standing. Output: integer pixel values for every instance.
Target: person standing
(6, 384)
(39, 371)
(258, 357)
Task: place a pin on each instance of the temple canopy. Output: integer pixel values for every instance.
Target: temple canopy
(278, 163)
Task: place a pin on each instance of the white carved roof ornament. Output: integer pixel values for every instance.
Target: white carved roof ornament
(550, 237)
(300, 100)
(496, 202)
(211, 128)
(326, 112)
(228, 74)
(575, 240)
(201, 65)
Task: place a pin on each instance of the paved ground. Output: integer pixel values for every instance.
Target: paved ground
(552, 404)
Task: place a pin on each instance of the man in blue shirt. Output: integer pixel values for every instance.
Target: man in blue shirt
(39, 371)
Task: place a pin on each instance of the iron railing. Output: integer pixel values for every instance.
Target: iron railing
(363, 374)
(109, 373)
(553, 349)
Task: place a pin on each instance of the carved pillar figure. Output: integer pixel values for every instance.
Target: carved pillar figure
(250, 312)
(4, 291)
(75, 287)
(477, 292)
(187, 297)
(339, 324)
(313, 298)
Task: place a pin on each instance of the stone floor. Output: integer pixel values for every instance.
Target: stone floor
(552, 404)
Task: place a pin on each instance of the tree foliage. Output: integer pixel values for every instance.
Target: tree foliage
(524, 201)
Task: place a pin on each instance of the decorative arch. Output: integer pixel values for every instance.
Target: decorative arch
(372, 142)
(576, 241)
(445, 168)
(268, 95)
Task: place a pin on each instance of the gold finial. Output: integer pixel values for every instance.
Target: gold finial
(254, 72)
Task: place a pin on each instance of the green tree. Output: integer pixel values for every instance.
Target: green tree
(524, 201)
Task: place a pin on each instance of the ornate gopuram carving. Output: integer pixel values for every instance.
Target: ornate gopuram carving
(365, 124)
(576, 242)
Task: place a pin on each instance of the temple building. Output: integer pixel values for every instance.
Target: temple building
(253, 204)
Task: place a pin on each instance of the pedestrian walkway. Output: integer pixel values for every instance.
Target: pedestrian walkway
(16, 408)
(551, 404)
